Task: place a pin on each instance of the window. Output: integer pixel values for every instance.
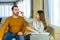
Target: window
(25, 6)
(5, 9)
(54, 12)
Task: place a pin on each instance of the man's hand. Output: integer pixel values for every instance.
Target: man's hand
(20, 33)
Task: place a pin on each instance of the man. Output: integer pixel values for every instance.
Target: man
(16, 26)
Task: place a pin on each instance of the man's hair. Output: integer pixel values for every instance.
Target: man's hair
(40, 11)
(14, 6)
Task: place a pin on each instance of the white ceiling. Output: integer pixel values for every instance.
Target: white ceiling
(8, 0)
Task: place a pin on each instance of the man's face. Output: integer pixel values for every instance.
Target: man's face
(15, 11)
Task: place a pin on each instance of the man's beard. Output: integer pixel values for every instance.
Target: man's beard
(16, 14)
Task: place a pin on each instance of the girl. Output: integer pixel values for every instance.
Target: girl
(38, 22)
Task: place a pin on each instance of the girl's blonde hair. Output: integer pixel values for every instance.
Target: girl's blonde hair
(42, 18)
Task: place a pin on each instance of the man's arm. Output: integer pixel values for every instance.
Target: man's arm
(24, 25)
(3, 28)
(29, 20)
(23, 28)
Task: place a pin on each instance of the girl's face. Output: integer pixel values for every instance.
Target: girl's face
(37, 16)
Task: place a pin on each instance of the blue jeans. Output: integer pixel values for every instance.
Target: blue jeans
(10, 36)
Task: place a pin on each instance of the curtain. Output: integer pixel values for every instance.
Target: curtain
(5, 9)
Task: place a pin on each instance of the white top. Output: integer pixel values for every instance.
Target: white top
(37, 25)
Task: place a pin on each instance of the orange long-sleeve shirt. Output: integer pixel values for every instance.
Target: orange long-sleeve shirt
(15, 25)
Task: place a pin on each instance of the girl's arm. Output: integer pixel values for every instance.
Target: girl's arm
(29, 20)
